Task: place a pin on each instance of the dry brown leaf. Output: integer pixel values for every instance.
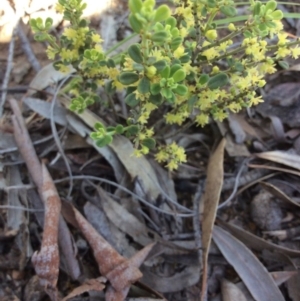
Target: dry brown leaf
(285, 158)
(46, 261)
(120, 272)
(89, 285)
(254, 275)
(211, 197)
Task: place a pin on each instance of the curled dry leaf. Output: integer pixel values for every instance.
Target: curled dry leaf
(46, 261)
(120, 272)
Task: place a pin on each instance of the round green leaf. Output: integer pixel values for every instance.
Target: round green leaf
(176, 42)
(99, 126)
(203, 79)
(159, 37)
(105, 140)
(171, 21)
(162, 13)
(134, 52)
(144, 85)
(271, 5)
(165, 73)
(179, 75)
(174, 68)
(149, 143)
(131, 100)
(128, 78)
(156, 99)
(135, 6)
(132, 130)
(135, 23)
(155, 89)
(180, 90)
(217, 81)
(119, 129)
(185, 59)
(160, 65)
(277, 15)
(228, 11)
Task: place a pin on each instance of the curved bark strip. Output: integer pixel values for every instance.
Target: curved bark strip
(46, 261)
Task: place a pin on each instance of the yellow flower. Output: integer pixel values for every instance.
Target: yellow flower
(70, 33)
(96, 38)
(51, 52)
(231, 27)
(295, 52)
(211, 34)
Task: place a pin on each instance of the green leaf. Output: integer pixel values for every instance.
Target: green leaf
(135, 6)
(156, 99)
(256, 9)
(174, 68)
(271, 5)
(155, 89)
(284, 65)
(149, 143)
(217, 81)
(105, 140)
(185, 58)
(48, 23)
(159, 37)
(228, 11)
(203, 79)
(134, 52)
(166, 72)
(111, 63)
(167, 93)
(131, 100)
(160, 65)
(176, 42)
(211, 3)
(99, 126)
(132, 130)
(179, 75)
(171, 21)
(128, 78)
(110, 129)
(135, 23)
(119, 129)
(180, 90)
(83, 23)
(277, 15)
(144, 85)
(162, 13)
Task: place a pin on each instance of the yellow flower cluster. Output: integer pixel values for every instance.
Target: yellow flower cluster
(172, 154)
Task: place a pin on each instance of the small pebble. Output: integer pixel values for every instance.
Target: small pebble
(265, 211)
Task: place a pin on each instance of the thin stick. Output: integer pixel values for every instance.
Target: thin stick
(9, 68)
(27, 49)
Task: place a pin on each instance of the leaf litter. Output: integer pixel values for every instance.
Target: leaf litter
(134, 202)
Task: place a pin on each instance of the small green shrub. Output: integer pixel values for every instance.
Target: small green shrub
(180, 64)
